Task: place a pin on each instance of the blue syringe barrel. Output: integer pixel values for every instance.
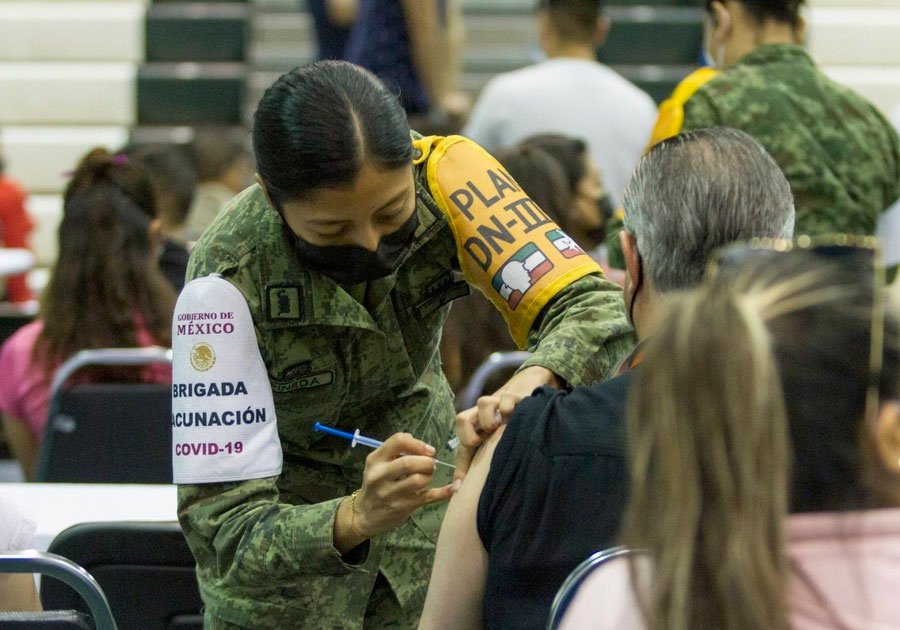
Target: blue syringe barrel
(354, 438)
(365, 441)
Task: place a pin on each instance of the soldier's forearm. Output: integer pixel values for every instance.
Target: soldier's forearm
(583, 333)
(242, 536)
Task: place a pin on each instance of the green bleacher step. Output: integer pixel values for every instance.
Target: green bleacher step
(190, 94)
(197, 31)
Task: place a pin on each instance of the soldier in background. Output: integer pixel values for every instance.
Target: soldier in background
(319, 295)
(840, 155)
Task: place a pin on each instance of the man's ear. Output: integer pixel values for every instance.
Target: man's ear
(601, 31)
(721, 21)
(633, 263)
(887, 436)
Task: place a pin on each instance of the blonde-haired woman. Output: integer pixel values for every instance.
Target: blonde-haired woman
(752, 404)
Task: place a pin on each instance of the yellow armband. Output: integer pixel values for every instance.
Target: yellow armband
(507, 247)
(670, 120)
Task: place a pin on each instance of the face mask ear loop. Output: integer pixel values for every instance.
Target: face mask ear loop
(634, 294)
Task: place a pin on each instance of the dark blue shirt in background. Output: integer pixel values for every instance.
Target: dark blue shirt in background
(380, 43)
(332, 39)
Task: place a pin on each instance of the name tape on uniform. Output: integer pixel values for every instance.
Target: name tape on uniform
(223, 413)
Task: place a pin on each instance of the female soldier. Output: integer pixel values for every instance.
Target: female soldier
(319, 295)
(840, 155)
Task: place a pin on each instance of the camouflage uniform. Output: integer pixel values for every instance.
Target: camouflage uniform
(264, 551)
(838, 152)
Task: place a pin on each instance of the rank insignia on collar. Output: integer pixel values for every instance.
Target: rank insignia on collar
(283, 302)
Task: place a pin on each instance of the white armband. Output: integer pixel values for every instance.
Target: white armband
(889, 231)
(223, 414)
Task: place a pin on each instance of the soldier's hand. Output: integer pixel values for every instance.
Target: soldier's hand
(396, 482)
(473, 425)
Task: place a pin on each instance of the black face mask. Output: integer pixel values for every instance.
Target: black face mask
(351, 264)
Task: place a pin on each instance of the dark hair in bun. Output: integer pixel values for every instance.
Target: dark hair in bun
(105, 285)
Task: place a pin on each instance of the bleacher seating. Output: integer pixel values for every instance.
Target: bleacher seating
(43, 154)
(67, 75)
(194, 71)
(81, 73)
(189, 93)
(197, 31)
(856, 43)
(72, 31)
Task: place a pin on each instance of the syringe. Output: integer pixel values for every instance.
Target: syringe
(356, 438)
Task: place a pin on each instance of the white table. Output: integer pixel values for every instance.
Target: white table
(56, 506)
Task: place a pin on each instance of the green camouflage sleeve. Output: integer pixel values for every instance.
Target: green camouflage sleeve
(242, 536)
(700, 112)
(583, 333)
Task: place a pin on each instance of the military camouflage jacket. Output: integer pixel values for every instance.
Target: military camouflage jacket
(839, 154)
(264, 547)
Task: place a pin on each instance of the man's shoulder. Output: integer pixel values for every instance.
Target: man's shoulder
(620, 87)
(589, 419)
(509, 85)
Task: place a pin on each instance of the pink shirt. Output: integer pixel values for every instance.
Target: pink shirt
(852, 559)
(25, 389)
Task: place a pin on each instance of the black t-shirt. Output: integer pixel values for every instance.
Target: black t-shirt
(554, 495)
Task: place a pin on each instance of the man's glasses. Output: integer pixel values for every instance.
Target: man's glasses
(862, 254)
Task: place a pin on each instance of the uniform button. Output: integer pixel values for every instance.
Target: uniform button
(417, 154)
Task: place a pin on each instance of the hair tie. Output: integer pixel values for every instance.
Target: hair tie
(120, 159)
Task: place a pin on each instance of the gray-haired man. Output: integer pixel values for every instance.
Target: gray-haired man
(556, 486)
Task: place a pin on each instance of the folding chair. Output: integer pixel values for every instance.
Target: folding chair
(145, 568)
(495, 363)
(566, 592)
(60, 568)
(108, 432)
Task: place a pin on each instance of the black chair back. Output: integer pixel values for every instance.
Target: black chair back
(146, 570)
(108, 432)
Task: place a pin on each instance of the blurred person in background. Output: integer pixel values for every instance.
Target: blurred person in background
(105, 291)
(760, 398)
(15, 225)
(839, 153)
(549, 488)
(17, 590)
(333, 21)
(174, 185)
(224, 166)
(570, 93)
(414, 47)
(593, 208)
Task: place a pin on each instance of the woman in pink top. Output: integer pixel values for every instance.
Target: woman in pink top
(752, 404)
(105, 291)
